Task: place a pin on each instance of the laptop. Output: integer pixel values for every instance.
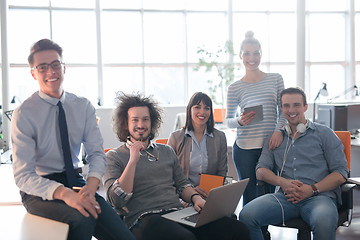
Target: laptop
(222, 201)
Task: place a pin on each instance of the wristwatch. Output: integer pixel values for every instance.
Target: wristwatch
(315, 190)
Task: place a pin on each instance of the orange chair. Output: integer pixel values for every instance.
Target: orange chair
(345, 137)
(161, 140)
(107, 149)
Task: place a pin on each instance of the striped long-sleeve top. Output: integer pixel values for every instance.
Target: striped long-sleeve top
(265, 92)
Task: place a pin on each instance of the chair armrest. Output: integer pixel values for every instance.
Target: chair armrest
(262, 188)
(347, 186)
(346, 209)
(347, 195)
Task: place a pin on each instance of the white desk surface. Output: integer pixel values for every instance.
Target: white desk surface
(7, 185)
(355, 142)
(16, 224)
(355, 180)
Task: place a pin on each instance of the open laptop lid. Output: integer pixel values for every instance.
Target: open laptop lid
(222, 201)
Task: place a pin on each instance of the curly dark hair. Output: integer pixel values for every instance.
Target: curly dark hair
(195, 100)
(41, 45)
(127, 101)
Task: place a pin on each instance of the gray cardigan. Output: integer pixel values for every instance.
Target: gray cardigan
(216, 150)
(156, 184)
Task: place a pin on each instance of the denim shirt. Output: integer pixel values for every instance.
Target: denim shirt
(311, 157)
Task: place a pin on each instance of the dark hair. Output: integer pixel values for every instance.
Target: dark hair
(195, 100)
(249, 39)
(293, 90)
(41, 45)
(127, 101)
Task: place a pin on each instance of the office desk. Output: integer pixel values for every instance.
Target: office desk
(355, 180)
(355, 142)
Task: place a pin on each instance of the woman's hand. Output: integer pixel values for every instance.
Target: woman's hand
(275, 140)
(245, 119)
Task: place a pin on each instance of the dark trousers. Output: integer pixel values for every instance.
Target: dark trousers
(245, 161)
(108, 226)
(155, 227)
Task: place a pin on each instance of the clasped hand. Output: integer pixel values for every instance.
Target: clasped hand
(296, 191)
(84, 201)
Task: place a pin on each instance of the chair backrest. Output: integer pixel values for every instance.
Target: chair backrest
(219, 115)
(180, 121)
(345, 137)
(162, 140)
(107, 149)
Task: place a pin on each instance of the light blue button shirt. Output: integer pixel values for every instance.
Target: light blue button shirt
(36, 144)
(198, 157)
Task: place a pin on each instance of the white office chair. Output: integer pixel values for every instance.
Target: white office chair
(180, 120)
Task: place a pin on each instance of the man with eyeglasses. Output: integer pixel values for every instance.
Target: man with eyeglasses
(144, 180)
(47, 131)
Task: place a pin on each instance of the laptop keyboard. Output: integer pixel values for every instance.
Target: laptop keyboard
(192, 218)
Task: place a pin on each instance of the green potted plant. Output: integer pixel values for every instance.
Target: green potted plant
(225, 70)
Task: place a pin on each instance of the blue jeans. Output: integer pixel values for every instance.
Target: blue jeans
(108, 226)
(319, 212)
(245, 161)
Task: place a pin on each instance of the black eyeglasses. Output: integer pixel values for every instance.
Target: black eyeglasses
(55, 65)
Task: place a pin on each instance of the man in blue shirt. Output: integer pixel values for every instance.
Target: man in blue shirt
(40, 165)
(311, 164)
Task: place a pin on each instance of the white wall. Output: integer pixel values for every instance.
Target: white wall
(169, 117)
(110, 139)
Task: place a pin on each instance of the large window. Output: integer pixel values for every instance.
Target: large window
(150, 45)
(357, 41)
(325, 46)
(274, 26)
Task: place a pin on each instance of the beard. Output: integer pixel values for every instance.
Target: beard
(142, 137)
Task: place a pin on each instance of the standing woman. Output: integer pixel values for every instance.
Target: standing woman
(199, 146)
(255, 88)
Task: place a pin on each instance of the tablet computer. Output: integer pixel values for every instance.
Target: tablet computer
(258, 113)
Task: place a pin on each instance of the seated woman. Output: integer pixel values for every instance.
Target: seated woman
(199, 146)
